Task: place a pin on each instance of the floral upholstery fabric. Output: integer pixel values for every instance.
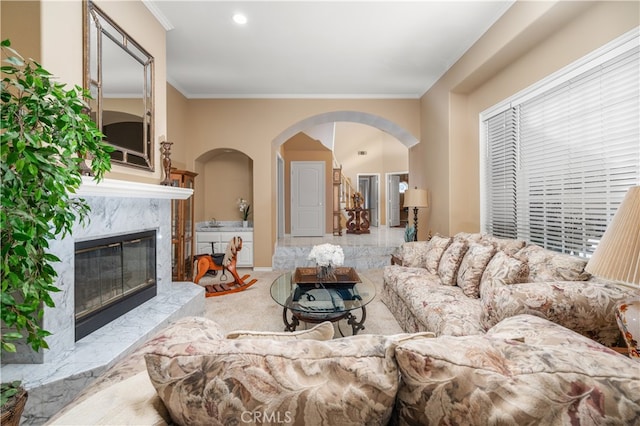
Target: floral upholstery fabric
(349, 381)
(412, 253)
(322, 331)
(450, 261)
(420, 303)
(506, 269)
(510, 285)
(437, 245)
(583, 306)
(98, 396)
(480, 380)
(535, 330)
(547, 265)
(505, 245)
(472, 267)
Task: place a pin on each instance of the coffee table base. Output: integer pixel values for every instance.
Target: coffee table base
(297, 317)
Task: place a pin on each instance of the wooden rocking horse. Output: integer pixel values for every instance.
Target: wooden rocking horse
(206, 263)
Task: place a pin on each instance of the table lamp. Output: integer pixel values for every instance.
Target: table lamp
(416, 198)
(617, 258)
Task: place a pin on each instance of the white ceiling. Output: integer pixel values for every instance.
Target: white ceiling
(303, 49)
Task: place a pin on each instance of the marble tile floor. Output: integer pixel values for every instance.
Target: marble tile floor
(363, 251)
(53, 384)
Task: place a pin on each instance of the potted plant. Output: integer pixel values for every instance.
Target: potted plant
(244, 207)
(45, 136)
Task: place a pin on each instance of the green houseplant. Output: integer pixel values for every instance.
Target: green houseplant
(45, 136)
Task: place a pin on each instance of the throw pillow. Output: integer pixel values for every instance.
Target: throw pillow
(450, 261)
(507, 245)
(547, 265)
(507, 269)
(472, 267)
(322, 331)
(437, 245)
(348, 381)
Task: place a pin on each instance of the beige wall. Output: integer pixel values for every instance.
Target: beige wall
(51, 32)
(384, 154)
(177, 126)
(531, 41)
(227, 175)
(15, 16)
(251, 126)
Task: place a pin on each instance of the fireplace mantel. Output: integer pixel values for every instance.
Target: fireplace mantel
(121, 188)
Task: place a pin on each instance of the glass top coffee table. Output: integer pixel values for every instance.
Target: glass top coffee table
(316, 302)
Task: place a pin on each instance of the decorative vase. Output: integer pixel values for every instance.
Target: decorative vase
(628, 318)
(245, 223)
(326, 273)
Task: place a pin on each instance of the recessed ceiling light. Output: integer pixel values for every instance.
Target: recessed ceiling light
(239, 19)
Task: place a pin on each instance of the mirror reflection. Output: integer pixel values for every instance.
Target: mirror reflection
(119, 75)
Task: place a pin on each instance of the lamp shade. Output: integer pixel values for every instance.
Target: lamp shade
(617, 256)
(416, 198)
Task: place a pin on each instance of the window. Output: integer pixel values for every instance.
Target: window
(559, 157)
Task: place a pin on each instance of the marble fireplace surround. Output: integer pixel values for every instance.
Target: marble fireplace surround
(53, 377)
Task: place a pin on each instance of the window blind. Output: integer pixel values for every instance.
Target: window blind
(559, 163)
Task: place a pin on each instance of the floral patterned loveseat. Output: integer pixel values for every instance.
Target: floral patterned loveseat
(465, 284)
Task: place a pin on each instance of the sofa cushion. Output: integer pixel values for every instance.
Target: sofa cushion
(480, 380)
(322, 331)
(348, 381)
(443, 309)
(506, 269)
(585, 307)
(437, 245)
(450, 261)
(100, 393)
(413, 253)
(535, 330)
(118, 405)
(472, 267)
(547, 265)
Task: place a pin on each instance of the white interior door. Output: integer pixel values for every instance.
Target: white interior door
(369, 188)
(307, 198)
(393, 200)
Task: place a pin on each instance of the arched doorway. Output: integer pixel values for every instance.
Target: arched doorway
(326, 128)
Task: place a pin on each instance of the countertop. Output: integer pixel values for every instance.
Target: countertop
(223, 226)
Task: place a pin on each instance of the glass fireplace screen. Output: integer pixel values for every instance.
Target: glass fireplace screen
(112, 276)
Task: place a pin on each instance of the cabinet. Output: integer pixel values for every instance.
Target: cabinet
(220, 240)
(182, 228)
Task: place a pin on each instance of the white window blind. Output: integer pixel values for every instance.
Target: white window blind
(559, 163)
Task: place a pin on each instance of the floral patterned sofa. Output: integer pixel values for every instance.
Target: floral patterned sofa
(465, 284)
(522, 371)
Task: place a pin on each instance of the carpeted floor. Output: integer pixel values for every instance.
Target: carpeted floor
(254, 309)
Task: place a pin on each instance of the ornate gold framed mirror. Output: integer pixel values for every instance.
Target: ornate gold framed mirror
(119, 74)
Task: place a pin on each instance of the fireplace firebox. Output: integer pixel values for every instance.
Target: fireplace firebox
(113, 275)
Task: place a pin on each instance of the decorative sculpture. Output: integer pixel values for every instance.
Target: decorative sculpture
(165, 149)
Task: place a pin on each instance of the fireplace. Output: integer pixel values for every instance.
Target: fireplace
(113, 275)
